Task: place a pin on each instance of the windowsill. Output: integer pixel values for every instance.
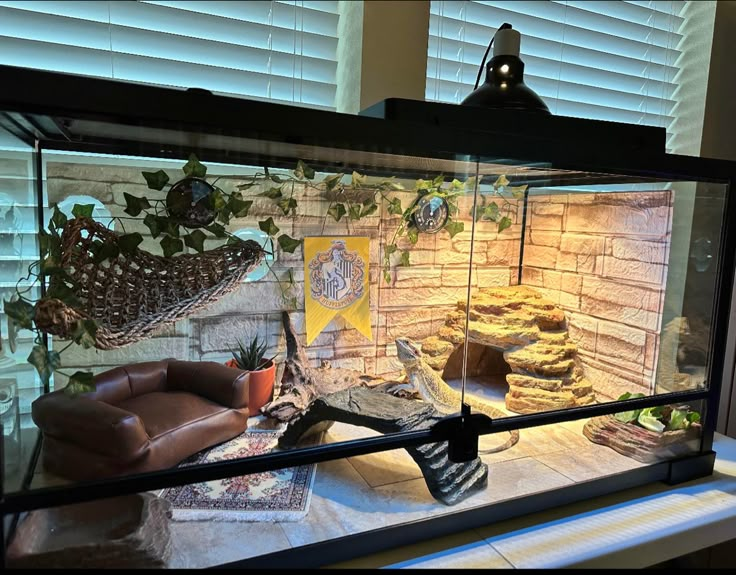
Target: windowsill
(634, 528)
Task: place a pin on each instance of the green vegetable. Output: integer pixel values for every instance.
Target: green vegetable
(628, 416)
(649, 421)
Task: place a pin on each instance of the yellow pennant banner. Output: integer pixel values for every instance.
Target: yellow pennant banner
(336, 283)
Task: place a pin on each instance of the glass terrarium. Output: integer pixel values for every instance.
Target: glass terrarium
(283, 330)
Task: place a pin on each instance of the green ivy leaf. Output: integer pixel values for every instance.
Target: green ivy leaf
(693, 417)
(217, 230)
(518, 191)
(394, 207)
(193, 168)
(44, 243)
(168, 226)
(273, 193)
(287, 205)
(153, 224)
(354, 211)
(413, 235)
(21, 312)
(490, 212)
(369, 209)
(58, 218)
(438, 181)
(238, 206)
(331, 181)
(44, 361)
(457, 185)
(83, 210)
(501, 182)
(269, 227)
(452, 208)
(337, 211)
(454, 228)
(404, 260)
(195, 240)
(276, 179)
(504, 223)
(358, 180)
(390, 248)
(156, 180)
(470, 183)
(171, 246)
(135, 205)
(107, 251)
(129, 242)
(303, 171)
(224, 216)
(80, 382)
(288, 244)
(387, 276)
(217, 200)
(84, 332)
(51, 265)
(61, 291)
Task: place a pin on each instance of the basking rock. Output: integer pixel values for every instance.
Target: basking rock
(531, 333)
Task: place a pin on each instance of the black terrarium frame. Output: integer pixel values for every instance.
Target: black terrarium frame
(101, 116)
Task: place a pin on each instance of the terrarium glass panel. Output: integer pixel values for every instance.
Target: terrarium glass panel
(355, 261)
(613, 296)
(218, 295)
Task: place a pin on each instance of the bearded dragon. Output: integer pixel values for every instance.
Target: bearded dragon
(435, 391)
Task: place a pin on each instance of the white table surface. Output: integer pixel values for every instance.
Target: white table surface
(634, 528)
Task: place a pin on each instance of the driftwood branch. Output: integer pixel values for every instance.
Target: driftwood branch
(448, 482)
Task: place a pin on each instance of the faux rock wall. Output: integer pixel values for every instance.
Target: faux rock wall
(603, 259)
(600, 257)
(414, 305)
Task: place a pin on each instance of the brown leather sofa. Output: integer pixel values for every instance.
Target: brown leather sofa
(141, 417)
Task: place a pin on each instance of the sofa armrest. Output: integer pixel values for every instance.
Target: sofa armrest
(214, 381)
(91, 424)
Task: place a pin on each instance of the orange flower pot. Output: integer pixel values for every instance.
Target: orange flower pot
(260, 389)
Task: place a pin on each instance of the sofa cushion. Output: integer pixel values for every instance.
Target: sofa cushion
(165, 412)
(93, 425)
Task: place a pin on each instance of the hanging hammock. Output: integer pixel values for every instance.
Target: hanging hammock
(131, 296)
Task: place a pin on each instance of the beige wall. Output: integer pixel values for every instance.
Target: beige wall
(602, 257)
(382, 52)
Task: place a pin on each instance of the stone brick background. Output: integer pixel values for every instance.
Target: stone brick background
(603, 258)
(414, 305)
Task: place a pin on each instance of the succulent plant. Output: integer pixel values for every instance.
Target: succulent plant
(250, 358)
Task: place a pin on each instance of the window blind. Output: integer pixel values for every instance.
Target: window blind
(609, 60)
(271, 50)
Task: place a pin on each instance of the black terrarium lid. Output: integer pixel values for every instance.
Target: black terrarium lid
(71, 112)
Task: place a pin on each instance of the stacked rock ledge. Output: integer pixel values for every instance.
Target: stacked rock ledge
(532, 334)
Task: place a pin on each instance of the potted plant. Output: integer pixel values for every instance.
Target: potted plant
(262, 372)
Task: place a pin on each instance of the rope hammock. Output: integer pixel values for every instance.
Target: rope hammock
(132, 295)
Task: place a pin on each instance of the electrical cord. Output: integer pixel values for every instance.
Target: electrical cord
(504, 26)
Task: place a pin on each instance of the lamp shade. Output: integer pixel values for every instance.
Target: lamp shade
(504, 86)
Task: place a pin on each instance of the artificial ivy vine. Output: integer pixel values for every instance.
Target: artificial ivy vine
(185, 219)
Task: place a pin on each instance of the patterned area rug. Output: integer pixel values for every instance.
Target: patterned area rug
(281, 495)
